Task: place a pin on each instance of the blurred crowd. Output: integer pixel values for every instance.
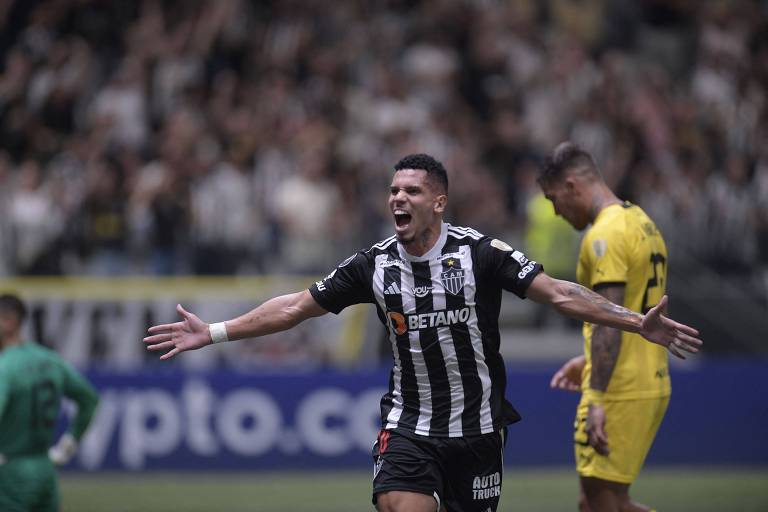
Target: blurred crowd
(239, 137)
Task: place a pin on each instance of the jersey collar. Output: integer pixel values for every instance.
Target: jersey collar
(610, 208)
(434, 252)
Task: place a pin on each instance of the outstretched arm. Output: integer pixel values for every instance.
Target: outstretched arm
(277, 314)
(574, 300)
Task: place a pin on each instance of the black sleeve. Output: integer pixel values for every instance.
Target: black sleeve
(506, 266)
(348, 284)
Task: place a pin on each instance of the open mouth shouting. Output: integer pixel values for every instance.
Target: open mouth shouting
(402, 220)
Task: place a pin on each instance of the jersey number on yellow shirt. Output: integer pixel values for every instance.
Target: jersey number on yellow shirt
(655, 288)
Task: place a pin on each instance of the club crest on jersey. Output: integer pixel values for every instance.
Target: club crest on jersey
(453, 280)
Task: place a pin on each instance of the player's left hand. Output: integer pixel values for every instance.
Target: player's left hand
(677, 337)
(595, 429)
(568, 377)
(189, 334)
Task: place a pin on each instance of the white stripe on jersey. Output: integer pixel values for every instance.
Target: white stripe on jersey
(460, 232)
(384, 243)
(459, 235)
(464, 228)
(486, 421)
(419, 364)
(397, 376)
(449, 353)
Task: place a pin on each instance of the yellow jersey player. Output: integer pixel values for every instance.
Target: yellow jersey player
(624, 380)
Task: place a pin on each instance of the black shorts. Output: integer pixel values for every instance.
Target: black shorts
(463, 473)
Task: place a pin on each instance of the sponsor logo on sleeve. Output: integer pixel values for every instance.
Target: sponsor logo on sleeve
(600, 247)
(502, 246)
(519, 257)
(321, 284)
(526, 269)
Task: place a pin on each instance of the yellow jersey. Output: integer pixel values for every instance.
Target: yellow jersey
(623, 246)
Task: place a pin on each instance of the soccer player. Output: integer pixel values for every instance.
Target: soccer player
(33, 380)
(437, 289)
(624, 380)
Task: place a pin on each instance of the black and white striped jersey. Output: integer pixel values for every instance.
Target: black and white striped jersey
(441, 311)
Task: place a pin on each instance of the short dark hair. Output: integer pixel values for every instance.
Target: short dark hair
(11, 302)
(424, 162)
(566, 156)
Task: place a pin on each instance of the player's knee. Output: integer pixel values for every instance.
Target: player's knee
(398, 501)
(630, 506)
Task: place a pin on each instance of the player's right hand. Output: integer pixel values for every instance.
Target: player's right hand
(63, 451)
(676, 337)
(595, 429)
(568, 377)
(189, 334)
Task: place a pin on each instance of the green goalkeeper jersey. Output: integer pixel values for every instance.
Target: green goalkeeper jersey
(33, 380)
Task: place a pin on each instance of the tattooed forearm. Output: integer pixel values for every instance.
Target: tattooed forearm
(606, 344)
(598, 300)
(578, 302)
(592, 307)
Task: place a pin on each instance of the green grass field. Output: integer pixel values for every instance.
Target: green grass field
(677, 489)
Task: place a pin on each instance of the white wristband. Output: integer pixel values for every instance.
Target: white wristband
(218, 332)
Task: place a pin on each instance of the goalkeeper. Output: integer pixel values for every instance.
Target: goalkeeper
(33, 381)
